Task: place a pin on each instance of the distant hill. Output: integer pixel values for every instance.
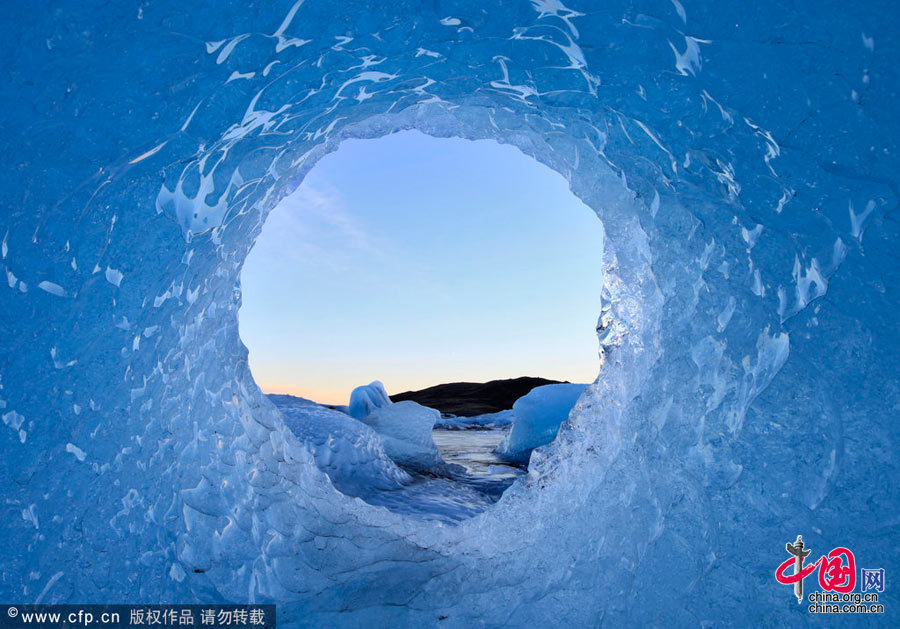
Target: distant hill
(467, 399)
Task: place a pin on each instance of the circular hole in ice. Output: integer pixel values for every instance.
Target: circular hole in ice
(416, 261)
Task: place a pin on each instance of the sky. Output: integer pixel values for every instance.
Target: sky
(417, 261)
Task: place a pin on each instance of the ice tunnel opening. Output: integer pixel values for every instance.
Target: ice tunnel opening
(419, 261)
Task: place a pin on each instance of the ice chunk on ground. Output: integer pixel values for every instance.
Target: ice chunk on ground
(350, 452)
(405, 429)
(365, 399)
(353, 456)
(537, 417)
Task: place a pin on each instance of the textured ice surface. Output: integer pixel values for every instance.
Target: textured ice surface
(438, 499)
(367, 398)
(537, 417)
(405, 429)
(353, 456)
(350, 452)
(743, 158)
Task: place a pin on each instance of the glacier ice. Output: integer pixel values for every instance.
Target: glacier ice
(405, 429)
(537, 417)
(350, 452)
(367, 398)
(363, 463)
(748, 390)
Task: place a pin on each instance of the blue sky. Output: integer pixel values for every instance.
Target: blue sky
(415, 261)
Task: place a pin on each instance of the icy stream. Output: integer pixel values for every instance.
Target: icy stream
(462, 494)
(474, 450)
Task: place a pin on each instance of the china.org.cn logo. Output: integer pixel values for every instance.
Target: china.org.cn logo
(837, 580)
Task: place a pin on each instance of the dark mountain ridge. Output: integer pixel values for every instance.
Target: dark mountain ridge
(466, 399)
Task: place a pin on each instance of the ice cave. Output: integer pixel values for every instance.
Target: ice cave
(743, 160)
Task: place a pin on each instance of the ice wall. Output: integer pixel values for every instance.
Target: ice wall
(742, 157)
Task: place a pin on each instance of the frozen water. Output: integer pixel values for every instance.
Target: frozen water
(500, 419)
(537, 417)
(748, 390)
(475, 450)
(366, 399)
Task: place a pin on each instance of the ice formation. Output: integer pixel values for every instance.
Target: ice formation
(537, 418)
(743, 160)
(366, 399)
(405, 429)
(361, 462)
(350, 452)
